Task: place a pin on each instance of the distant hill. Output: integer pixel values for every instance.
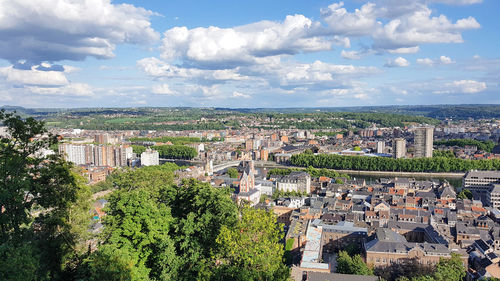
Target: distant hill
(464, 111)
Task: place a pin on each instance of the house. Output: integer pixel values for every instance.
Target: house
(295, 181)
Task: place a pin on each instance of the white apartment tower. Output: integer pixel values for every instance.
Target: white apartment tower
(150, 157)
(399, 148)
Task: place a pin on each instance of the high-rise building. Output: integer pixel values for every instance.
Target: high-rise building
(399, 148)
(96, 155)
(424, 138)
(73, 153)
(380, 146)
(150, 157)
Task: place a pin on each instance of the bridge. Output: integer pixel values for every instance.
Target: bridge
(225, 165)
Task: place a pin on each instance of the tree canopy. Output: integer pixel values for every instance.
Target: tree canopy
(348, 264)
(434, 164)
(44, 204)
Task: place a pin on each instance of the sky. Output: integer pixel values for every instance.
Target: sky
(248, 54)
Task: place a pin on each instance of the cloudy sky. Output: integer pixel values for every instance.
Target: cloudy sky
(280, 53)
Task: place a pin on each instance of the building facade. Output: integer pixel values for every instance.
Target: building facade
(399, 148)
(150, 158)
(424, 139)
(295, 181)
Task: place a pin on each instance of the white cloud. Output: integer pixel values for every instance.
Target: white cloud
(397, 62)
(72, 89)
(396, 26)
(445, 60)
(358, 23)
(215, 47)
(440, 60)
(54, 30)
(33, 77)
(162, 89)
(409, 50)
(425, 61)
(237, 94)
(351, 55)
(468, 86)
(460, 87)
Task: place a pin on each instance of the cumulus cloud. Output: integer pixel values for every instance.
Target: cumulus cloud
(461, 87)
(431, 62)
(397, 62)
(159, 68)
(425, 61)
(162, 89)
(55, 30)
(215, 47)
(33, 77)
(358, 23)
(468, 86)
(351, 55)
(396, 26)
(445, 60)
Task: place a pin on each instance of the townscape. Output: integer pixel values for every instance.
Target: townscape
(282, 140)
(400, 222)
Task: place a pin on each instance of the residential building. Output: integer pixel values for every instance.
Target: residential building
(424, 139)
(150, 158)
(381, 147)
(494, 196)
(479, 183)
(295, 181)
(399, 148)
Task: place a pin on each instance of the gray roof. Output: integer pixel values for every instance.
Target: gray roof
(388, 241)
(483, 174)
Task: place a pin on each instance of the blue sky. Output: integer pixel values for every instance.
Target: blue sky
(101, 53)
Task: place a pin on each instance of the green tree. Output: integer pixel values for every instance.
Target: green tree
(36, 192)
(138, 223)
(347, 264)
(176, 151)
(232, 173)
(465, 194)
(450, 269)
(199, 211)
(138, 149)
(113, 263)
(251, 249)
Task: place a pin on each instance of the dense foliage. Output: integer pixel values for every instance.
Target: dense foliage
(45, 207)
(443, 153)
(435, 164)
(250, 249)
(481, 145)
(138, 149)
(465, 194)
(348, 264)
(155, 230)
(176, 151)
(232, 173)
